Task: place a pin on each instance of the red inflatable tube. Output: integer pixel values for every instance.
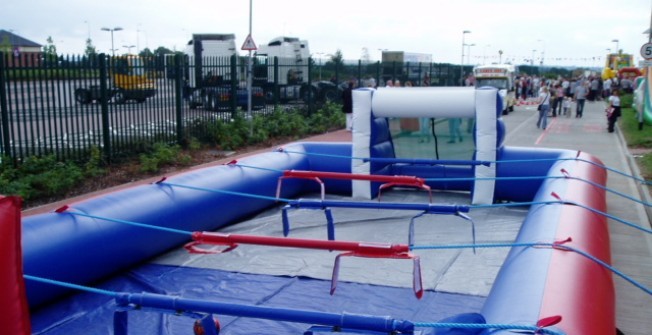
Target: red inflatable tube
(14, 311)
(577, 287)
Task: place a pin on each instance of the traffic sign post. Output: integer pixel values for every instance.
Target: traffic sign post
(646, 51)
(250, 45)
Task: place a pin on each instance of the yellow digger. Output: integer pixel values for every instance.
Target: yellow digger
(130, 81)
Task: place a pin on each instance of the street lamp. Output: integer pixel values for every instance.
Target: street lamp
(462, 62)
(468, 55)
(320, 54)
(128, 47)
(616, 41)
(112, 30)
(543, 51)
(484, 54)
(532, 60)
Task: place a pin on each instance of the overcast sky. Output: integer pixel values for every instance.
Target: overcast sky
(564, 32)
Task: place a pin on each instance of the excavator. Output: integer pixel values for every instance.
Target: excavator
(129, 79)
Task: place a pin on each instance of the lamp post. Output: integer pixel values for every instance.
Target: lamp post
(319, 54)
(543, 51)
(615, 40)
(532, 60)
(128, 47)
(484, 54)
(462, 62)
(468, 54)
(112, 30)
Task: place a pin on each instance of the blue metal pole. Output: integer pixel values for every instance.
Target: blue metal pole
(344, 320)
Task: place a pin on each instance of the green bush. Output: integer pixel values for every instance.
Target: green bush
(162, 154)
(38, 177)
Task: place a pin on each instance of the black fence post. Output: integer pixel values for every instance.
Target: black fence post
(104, 107)
(359, 80)
(310, 95)
(234, 86)
(276, 89)
(4, 109)
(178, 92)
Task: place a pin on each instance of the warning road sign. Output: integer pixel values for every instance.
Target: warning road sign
(249, 44)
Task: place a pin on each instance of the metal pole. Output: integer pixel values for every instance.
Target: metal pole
(251, 120)
(462, 62)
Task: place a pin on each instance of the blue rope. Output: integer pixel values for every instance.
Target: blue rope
(536, 244)
(602, 166)
(255, 167)
(562, 202)
(491, 162)
(132, 223)
(72, 286)
(242, 194)
(536, 329)
(592, 183)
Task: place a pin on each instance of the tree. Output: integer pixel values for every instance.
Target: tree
(5, 45)
(146, 53)
(90, 50)
(337, 58)
(50, 52)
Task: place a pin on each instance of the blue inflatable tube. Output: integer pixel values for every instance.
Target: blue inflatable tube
(532, 283)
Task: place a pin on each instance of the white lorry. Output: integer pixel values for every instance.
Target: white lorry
(281, 69)
(214, 72)
(500, 76)
(406, 66)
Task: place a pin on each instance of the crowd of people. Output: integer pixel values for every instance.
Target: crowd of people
(555, 97)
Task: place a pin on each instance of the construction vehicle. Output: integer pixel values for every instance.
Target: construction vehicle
(215, 72)
(500, 76)
(130, 81)
(281, 69)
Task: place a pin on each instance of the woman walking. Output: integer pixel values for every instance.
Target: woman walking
(544, 106)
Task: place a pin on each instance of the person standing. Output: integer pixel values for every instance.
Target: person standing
(594, 92)
(544, 106)
(581, 92)
(606, 88)
(612, 117)
(559, 99)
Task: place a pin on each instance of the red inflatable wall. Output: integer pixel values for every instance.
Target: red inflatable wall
(14, 312)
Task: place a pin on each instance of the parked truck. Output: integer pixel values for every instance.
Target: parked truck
(406, 66)
(281, 69)
(215, 73)
(129, 80)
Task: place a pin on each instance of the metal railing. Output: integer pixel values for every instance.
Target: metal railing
(67, 105)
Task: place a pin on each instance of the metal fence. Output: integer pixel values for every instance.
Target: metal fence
(67, 105)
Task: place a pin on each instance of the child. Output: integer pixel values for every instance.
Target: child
(566, 105)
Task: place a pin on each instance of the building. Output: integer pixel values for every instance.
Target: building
(20, 50)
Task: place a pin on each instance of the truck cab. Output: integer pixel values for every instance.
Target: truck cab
(500, 76)
(281, 68)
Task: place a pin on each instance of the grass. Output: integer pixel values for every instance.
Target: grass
(635, 137)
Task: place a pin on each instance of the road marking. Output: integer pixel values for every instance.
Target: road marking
(550, 125)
